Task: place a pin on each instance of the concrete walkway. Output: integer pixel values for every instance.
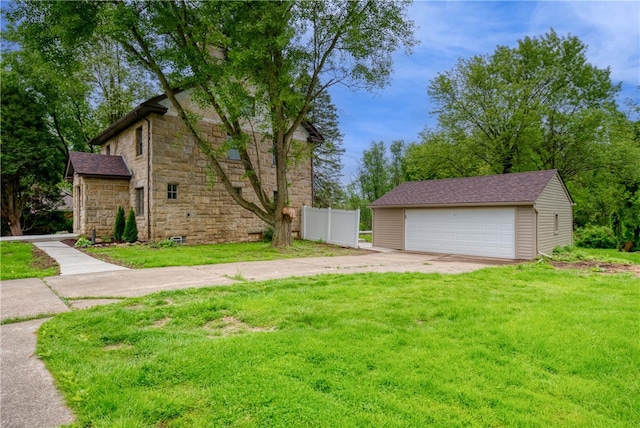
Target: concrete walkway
(72, 261)
(27, 396)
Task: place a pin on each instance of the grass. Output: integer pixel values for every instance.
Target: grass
(523, 345)
(24, 260)
(145, 256)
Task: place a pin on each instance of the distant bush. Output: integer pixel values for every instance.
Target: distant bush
(595, 237)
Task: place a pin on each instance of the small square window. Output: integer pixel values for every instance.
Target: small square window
(238, 190)
(172, 191)
(139, 141)
(232, 153)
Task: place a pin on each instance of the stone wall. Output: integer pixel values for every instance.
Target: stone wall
(203, 210)
(96, 202)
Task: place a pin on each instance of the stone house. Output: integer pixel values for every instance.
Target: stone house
(148, 162)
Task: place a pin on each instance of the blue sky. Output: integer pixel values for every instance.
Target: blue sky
(449, 30)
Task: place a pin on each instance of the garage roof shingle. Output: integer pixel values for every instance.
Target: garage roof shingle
(523, 187)
(95, 165)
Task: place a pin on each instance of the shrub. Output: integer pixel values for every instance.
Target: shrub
(118, 229)
(130, 233)
(167, 243)
(267, 234)
(595, 237)
(83, 242)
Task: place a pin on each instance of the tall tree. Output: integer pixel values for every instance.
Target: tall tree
(373, 176)
(237, 55)
(396, 163)
(85, 86)
(31, 164)
(327, 156)
(539, 105)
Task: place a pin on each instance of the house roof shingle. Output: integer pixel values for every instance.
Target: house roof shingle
(523, 187)
(95, 165)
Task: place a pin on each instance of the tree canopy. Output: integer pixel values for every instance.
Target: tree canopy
(539, 105)
(256, 63)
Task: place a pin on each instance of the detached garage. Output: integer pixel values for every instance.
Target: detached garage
(510, 216)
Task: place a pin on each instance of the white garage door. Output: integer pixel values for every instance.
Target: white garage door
(487, 232)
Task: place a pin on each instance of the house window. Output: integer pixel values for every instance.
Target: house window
(108, 149)
(232, 152)
(140, 201)
(139, 141)
(556, 224)
(172, 191)
(238, 190)
(275, 196)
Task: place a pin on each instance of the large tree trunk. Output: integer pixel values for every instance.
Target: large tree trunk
(12, 204)
(14, 225)
(282, 231)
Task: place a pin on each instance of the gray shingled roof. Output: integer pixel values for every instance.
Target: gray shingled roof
(95, 165)
(524, 187)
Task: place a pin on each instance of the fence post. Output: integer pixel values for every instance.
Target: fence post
(304, 222)
(328, 224)
(357, 228)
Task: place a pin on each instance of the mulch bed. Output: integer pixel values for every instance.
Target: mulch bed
(599, 267)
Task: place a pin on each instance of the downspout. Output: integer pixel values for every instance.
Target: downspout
(148, 175)
(148, 178)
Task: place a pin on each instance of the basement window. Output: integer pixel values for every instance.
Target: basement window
(172, 191)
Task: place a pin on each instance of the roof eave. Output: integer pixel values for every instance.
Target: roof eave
(142, 111)
(456, 205)
(106, 176)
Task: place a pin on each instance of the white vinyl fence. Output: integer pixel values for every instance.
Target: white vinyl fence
(338, 227)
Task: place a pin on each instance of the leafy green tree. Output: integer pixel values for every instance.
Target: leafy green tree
(373, 175)
(31, 163)
(327, 156)
(84, 87)
(237, 55)
(539, 105)
(118, 229)
(130, 233)
(396, 163)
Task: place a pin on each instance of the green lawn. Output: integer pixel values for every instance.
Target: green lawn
(523, 345)
(145, 256)
(24, 260)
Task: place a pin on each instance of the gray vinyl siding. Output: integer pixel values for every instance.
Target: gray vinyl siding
(388, 228)
(553, 201)
(525, 233)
